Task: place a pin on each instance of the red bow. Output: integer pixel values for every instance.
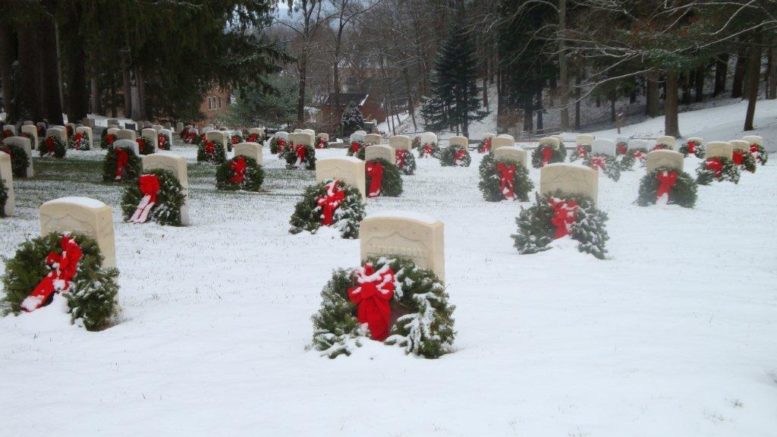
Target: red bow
(621, 149)
(281, 145)
(581, 151)
(77, 140)
(235, 139)
(426, 150)
(715, 165)
(598, 162)
(564, 212)
(238, 167)
(210, 148)
(122, 158)
(638, 154)
(547, 154)
(754, 148)
(400, 158)
(486, 145)
(329, 202)
(738, 157)
(506, 179)
(149, 186)
(692, 147)
(110, 138)
(321, 144)
(63, 267)
(7, 133)
(141, 144)
(355, 146)
(50, 144)
(375, 173)
(300, 151)
(373, 296)
(460, 154)
(162, 140)
(667, 181)
(253, 138)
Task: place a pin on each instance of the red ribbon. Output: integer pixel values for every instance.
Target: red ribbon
(400, 158)
(77, 140)
(581, 151)
(210, 148)
(321, 144)
(754, 148)
(564, 212)
(667, 180)
(122, 158)
(7, 133)
(281, 145)
(355, 146)
(692, 147)
(253, 138)
(329, 202)
(598, 162)
(638, 154)
(375, 173)
(149, 186)
(460, 154)
(621, 149)
(373, 296)
(547, 154)
(715, 165)
(426, 150)
(486, 146)
(235, 139)
(63, 267)
(301, 152)
(738, 157)
(141, 144)
(506, 179)
(50, 144)
(110, 138)
(238, 168)
(162, 140)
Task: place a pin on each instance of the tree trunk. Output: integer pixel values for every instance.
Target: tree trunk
(753, 79)
(27, 91)
(95, 105)
(410, 101)
(6, 71)
(140, 83)
(771, 89)
(485, 92)
(127, 92)
(540, 124)
(563, 88)
(578, 79)
(77, 95)
(686, 88)
(721, 71)
(699, 83)
(528, 115)
(739, 74)
(52, 103)
(302, 70)
(613, 98)
(651, 94)
(671, 123)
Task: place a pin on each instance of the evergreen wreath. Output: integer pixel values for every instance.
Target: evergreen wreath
(357, 148)
(79, 141)
(493, 187)
(405, 161)
(717, 169)
(546, 152)
(236, 138)
(580, 152)
(240, 173)
(19, 159)
(321, 143)
(211, 151)
(197, 140)
(693, 148)
(583, 222)
(309, 215)
(254, 138)
(455, 156)
(661, 146)
(605, 163)
(745, 160)
(428, 150)
(760, 153)
(391, 179)
(681, 187)
(189, 136)
(7, 133)
(299, 155)
(106, 139)
(424, 326)
(131, 169)
(170, 199)
(623, 155)
(3, 198)
(635, 155)
(278, 145)
(485, 145)
(145, 145)
(91, 296)
(164, 142)
(52, 146)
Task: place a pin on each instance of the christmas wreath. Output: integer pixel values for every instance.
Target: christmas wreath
(744, 159)
(211, 151)
(357, 148)
(624, 156)
(199, 139)
(717, 168)
(557, 215)
(157, 196)
(363, 303)
(79, 141)
(382, 178)
(485, 145)
(106, 139)
(428, 150)
(580, 152)
(7, 133)
(321, 143)
(661, 146)
(52, 146)
(69, 264)
(277, 145)
(164, 141)
(121, 164)
(405, 161)
(677, 185)
(605, 163)
(692, 148)
(145, 146)
(500, 180)
(3, 198)
(299, 155)
(455, 156)
(240, 173)
(19, 159)
(236, 138)
(329, 203)
(546, 154)
(759, 153)
(189, 136)
(254, 138)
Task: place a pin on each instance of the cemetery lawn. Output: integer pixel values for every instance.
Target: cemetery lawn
(675, 334)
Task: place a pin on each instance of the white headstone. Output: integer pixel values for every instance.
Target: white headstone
(400, 142)
(349, 169)
(511, 154)
(719, 149)
(150, 135)
(282, 134)
(126, 134)
(358, 136)
(324, 136)
(373, 139)
(570, 179)
(697, 140)
(26, 145)
(217, 137)
(28, 123)
(32, 131)
(503, 140)
(665, 158)
(754, 139)
(301, 138)
(310, 132)
(157, 127)
(85, 216)
(406, 235)
(605, 147)
(58, 132)
(179, 127)
(667, 140)
(177, 166)
(740, 145)
(256, 130)
(86, 130)
(128, 144)
(10, 128)
(458, 141)
(6, 175)
(112, 122)
(550, 141)
(428, 138)
(637, 144)
(584, 140)
(382, 151)
(251, 150)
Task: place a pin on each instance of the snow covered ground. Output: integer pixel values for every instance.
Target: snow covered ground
(673, 335)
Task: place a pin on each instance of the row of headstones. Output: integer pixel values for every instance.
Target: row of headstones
(719, 148)
(60, 132)
(302, 136)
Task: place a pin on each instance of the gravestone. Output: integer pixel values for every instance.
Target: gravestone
(373, 139)
(637, 144)
(112, 122)
(113, 131)
(32, 131)
(428, 138)
(257, 130)
(741, 145)
(167, 125)
(382, 151)
(86, 130)
(511, 154)
(668, 140)
(406, 235)
(697, 140)
(150, 134)
(157, 127)
(604, 147)
(282, 134)
(550, 141)
(754, 139)
(665, 158)
(400, 142)
(357, 136)
(10, 128)
(179, 126)
(584, 140)
(251, 150)
(26, 145)
(28, 123)
(349, 169)
(719, 149)
(126, 134)
(503, 140)
(128, 144)
(301, 138)
(217, 137)
(58, 132)
(177, 166)
(88, 122)
(6, 175)
(458, 141)
(570, 179)
(310, 132)
(324, 136)
(84, 216)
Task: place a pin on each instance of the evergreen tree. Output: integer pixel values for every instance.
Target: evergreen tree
(352, 120)
(454, 101)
